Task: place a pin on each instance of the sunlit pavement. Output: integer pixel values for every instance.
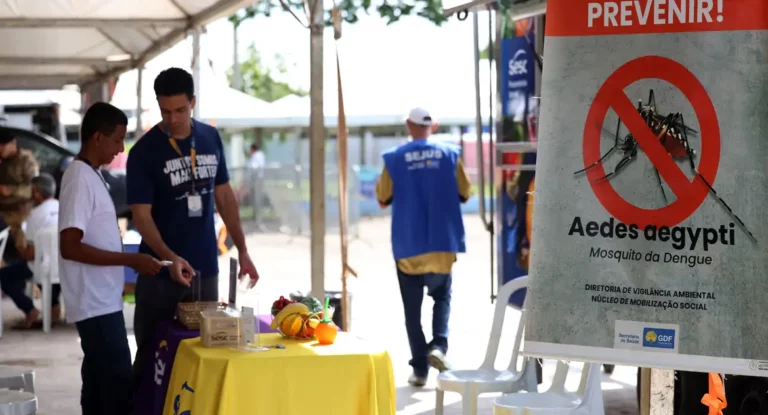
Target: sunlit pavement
(283, 262)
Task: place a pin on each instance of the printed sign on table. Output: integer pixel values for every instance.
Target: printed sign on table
(649, 237)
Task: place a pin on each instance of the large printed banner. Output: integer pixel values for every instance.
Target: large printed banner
(650, 233)
(518, 86)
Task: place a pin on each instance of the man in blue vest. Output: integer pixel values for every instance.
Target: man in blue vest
(424, 182)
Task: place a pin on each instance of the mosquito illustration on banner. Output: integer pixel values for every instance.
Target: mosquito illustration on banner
(672, 133)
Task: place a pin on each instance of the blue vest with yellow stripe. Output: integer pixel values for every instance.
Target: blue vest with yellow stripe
(426, 210)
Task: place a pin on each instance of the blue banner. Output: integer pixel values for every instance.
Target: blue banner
(518, 76)
(518, 85)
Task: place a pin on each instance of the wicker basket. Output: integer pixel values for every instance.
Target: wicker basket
(285, 336)
(189, 313)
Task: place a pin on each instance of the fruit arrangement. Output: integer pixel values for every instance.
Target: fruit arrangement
(297, 320)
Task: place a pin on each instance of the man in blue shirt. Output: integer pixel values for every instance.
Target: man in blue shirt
(176, 177)
(424, 182)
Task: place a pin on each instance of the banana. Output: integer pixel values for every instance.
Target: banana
(292, 308)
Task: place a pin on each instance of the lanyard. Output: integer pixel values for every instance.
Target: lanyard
(192, 152)
(106, 186)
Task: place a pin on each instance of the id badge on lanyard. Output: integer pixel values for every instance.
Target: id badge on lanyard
(194, 201)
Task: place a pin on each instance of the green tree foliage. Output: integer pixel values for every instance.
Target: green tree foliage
(507, 31)
(247, 13)
(390, 10)
(258, 80)
(484, 54)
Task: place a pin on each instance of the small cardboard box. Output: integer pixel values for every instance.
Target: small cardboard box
(220, 328)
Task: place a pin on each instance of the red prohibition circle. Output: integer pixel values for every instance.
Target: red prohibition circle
(689, 194)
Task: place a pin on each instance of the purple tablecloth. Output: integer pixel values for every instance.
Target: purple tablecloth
(156, 373)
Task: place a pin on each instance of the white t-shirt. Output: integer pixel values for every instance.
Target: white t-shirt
(89, 290)
(257, 160)
(44, 215)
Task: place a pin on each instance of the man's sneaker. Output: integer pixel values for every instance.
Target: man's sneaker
(416, 380)
(437, 359)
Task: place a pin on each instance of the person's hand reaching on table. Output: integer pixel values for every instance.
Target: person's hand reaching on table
(181, 271)
(247, 268)
(146, 264)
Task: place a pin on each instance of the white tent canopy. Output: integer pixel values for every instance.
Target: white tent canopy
(51, 43)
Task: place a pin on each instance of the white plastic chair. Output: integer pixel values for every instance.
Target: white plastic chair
(17, 403)
(587, 400)
(17, 378)
(45, 268)
(486, 379)
(3, 241)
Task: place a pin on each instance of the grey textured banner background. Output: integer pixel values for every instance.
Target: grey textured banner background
(733, 68)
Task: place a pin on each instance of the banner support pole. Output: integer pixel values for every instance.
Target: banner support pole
(657, 391)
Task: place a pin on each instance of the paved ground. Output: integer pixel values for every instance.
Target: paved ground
(377, 315)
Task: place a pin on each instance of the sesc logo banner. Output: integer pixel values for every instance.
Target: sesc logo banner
(659, 338)
(518, 65)
(518, 77)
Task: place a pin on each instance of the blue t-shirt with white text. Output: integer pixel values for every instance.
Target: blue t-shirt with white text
(157, 175)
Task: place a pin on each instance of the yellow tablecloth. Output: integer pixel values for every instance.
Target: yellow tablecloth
(349, 377)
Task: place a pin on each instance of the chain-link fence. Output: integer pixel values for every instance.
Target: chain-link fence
(276, 198)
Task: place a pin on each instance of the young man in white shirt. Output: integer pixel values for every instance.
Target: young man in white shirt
(259, 199)
(257, 160)
(13, 278)
(91, 268)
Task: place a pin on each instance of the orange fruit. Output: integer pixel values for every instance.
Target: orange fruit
(291, 325)
(325, 333)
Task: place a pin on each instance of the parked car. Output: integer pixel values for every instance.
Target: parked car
(54, 158)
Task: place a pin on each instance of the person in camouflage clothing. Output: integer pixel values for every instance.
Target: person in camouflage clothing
(17, 168)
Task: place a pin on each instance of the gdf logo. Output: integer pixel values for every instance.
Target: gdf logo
(659, 338)
(518, 65)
